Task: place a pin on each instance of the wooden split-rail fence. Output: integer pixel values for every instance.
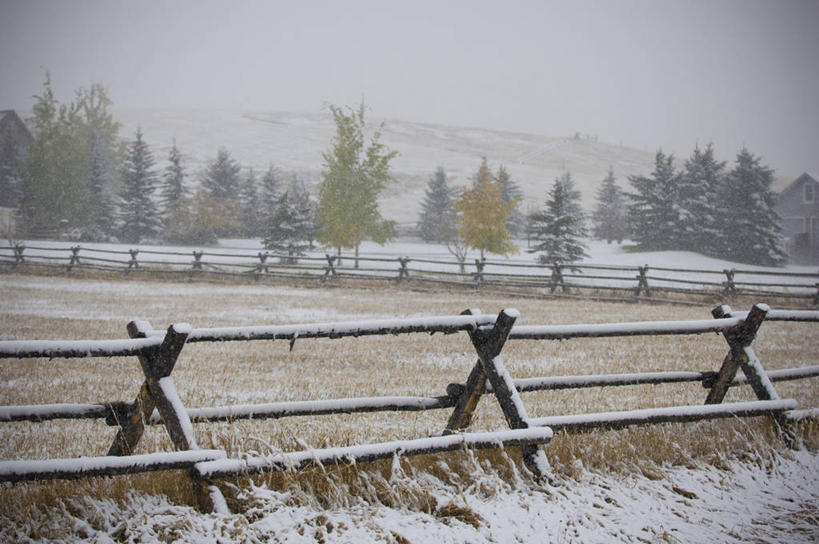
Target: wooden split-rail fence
(157, 401)
(640, 282)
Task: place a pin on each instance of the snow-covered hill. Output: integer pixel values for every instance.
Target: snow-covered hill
(294, 142)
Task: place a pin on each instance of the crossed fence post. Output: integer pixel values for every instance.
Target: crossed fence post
(403, 272)
(75, 258)
(262, 266)
(741, 355)
(132, 264)
(557, 278)
(478, 275)
(642, 281)
(729, 288)
(18, 254)
(489, 344)
(157, 391)
(196, 264)
(330, 269)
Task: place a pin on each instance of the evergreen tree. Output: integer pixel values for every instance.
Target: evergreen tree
(560, 226)
(138, 212)
(510, 191)
(101, 185)
(220, 182)
(100, 134)
(749, 223)
(249, 205)
(291, 228)
(610, 217)
(173, 196)
(654, 211)
(353, 177)
(482, 215)
(221, 177)
(699, 188)
(268, 194)
(437, 221)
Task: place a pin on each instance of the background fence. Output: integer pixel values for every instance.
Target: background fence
(633, 281)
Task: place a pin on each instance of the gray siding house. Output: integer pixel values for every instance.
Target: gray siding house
(798, 208)
(14, 141)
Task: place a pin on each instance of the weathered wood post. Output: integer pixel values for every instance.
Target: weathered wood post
(196, 264)
(642, 281)
(729, 288)
(75, 258)
(330, 269)
(18, 254)
(262, 268)
(403, 272)
(557, 278)
(157, 391)
(742, 355)
(489, 344)
(478, 275)
(132, 264)
(816, 296)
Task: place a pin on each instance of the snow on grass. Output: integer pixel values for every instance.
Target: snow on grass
(767, 500)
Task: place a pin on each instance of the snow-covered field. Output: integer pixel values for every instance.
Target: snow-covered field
(709, 481)
(760, 500)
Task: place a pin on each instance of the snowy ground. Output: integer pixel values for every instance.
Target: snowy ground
(773, 496)
(763, 500)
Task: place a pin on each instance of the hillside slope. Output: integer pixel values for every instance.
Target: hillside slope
(294, 142)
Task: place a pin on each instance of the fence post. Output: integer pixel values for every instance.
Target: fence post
(132, 264)
(18, 254)
(478, 275)
(816, 296)
(642, 281)
(742, 355)
(262, 266)
(329, 270)
(403, 273)
(489, 344)
(196, 265)
(729, 287)
(75, 258)
(157, 391)
(557, 278)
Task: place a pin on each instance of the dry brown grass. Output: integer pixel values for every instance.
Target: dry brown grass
(265, 371)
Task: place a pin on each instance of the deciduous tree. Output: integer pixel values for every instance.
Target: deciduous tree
(482, 215)
(354, 175)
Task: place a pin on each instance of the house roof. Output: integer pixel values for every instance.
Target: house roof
(805, 177)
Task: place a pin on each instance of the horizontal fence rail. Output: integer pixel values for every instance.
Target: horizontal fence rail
(554, 278)
(158, 402)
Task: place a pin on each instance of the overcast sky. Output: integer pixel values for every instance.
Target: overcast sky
(644, 73)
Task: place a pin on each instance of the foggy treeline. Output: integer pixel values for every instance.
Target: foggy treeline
(79, 179)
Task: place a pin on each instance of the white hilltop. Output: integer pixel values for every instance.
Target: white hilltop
(294, 142)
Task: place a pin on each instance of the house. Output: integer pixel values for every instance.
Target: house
(14, 141)
(798, 208)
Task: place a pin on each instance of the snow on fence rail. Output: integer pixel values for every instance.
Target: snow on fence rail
(158, 402)
(637, 281)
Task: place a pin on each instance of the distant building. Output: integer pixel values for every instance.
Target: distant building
(798, 208)
(14, 141)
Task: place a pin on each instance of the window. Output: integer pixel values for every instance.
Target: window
(807, 192)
